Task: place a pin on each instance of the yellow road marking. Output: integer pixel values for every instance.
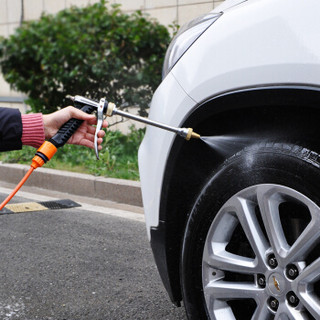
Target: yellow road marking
(25, 207)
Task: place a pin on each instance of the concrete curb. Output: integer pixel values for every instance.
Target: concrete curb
(116, 190)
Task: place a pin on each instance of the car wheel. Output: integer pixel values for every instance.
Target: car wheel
(251, 244)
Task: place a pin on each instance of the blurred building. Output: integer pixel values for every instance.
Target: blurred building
(14, 12)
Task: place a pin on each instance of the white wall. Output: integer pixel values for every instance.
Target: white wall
(166, 11)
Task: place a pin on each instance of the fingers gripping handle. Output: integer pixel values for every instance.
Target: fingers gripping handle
(69, 128)
(49, 148)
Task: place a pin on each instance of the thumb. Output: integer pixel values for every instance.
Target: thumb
(78, 114)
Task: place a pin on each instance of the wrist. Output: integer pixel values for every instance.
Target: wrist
(46, 123)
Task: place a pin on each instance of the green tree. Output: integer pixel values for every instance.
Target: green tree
(94, 51)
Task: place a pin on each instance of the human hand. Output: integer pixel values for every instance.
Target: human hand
(84, 136)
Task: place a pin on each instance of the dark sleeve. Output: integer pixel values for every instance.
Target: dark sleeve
(10, 129)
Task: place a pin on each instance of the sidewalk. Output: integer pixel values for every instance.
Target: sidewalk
(85, 185)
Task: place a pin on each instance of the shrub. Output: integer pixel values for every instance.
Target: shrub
(94, 51)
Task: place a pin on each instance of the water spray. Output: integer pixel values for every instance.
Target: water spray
(49, 148)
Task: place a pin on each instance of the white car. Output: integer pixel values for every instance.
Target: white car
(234, 219)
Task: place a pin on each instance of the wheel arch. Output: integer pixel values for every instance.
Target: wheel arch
(288, 113)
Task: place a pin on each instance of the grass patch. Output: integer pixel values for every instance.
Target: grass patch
(118, 157)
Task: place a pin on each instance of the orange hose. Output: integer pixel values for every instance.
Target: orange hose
(16, 189)
(47, 149)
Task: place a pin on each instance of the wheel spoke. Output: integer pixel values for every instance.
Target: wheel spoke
(219, 309)
(303, 287)
(308, 239)
(227, 261)
(231, 290)
(285, 312)
(245, 211)
(262, 311)
(268, 200)
(310, 274)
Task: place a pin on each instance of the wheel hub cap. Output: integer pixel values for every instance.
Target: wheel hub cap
(276, 284)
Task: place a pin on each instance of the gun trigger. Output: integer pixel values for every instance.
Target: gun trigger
(99, 125)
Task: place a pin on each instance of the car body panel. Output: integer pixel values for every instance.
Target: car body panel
(157, 144)
(191, 81)
(264, 58)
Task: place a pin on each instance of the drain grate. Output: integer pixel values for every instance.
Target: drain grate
(39, 206)
(60, 204)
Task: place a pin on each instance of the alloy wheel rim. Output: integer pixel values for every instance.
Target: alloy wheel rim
(277, 274)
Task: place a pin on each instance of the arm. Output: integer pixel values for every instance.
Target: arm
(10, 129)
(33, 129)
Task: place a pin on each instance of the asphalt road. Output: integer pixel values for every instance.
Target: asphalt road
(75, 264)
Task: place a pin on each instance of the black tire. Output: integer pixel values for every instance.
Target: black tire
(293, 173)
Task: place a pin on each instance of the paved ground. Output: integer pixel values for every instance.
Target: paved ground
(79, 264)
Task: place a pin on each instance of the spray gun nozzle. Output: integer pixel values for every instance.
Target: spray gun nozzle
(195, 135)
(188, 133)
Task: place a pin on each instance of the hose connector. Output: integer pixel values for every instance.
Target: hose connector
(44, 154)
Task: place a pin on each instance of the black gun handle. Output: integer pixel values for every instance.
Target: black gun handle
(69, 128)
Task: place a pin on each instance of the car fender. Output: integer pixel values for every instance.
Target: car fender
(156, 145)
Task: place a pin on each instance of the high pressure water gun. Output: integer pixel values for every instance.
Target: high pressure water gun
(102, 108)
